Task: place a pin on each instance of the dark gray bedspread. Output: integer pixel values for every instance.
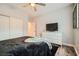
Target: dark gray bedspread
(8, 44)
(27, 49)
(17, 47)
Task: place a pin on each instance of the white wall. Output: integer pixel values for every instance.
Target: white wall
(64, 18)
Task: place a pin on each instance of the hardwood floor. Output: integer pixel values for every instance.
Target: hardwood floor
(66, 51)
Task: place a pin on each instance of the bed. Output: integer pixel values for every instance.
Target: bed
(22, 47)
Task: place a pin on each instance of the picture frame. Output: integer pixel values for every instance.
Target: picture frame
(75, 17)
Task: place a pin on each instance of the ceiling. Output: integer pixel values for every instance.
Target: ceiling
(17, 9)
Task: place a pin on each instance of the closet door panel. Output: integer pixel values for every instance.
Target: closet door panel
(4, 27)
(25, 27)
(16, 27)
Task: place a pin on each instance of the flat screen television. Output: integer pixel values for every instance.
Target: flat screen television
(52, 27)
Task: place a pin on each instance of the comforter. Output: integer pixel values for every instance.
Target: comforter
(27, 49)
(41, 49)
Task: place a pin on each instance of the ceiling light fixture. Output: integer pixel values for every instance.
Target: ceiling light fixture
(32, 4)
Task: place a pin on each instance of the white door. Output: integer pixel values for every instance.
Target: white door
(4, 27)
(16, 27)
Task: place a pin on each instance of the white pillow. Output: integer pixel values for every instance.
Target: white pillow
(32, 40)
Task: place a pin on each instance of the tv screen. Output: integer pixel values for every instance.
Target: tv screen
(52, 27)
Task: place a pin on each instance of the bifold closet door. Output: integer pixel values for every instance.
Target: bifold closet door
(4, 28)
(16, 27)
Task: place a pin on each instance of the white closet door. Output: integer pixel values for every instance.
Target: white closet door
(4, 27)
(16, 27)
(25, 30)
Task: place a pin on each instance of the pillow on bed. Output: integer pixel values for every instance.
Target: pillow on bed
(35, 39)
(38, 39)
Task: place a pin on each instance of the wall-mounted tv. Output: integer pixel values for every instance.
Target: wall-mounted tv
(52, 27)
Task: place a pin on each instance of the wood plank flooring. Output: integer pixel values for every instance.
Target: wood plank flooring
(66, 51)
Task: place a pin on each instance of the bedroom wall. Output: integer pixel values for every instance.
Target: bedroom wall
(64, 18)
